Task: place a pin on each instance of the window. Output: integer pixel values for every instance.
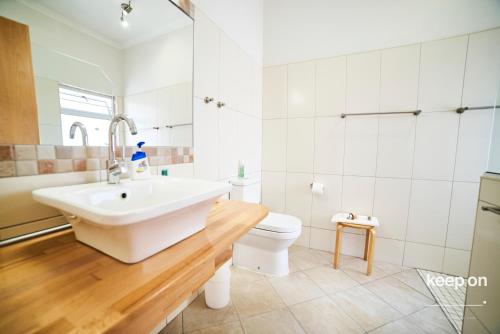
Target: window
(92, 109)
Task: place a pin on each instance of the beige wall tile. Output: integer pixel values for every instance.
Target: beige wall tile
(46, 166)
(93, 152)
(64, 152)
(93, 164)
(64, 165)
(26, 167)
(7, 168)
(79, 165)
(79, 152)
(46, 152)
(25, 152)
(6, 152)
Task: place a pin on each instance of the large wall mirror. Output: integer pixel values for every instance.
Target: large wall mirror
(92, 59)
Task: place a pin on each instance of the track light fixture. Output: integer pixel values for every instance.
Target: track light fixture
(126, 8)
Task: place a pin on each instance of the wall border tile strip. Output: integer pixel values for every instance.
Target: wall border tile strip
(27, 160)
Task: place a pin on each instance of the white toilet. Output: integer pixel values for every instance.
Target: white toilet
(265, 247)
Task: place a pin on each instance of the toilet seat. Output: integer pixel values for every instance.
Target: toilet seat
(275, 235)
(278, 226)
(277, 222)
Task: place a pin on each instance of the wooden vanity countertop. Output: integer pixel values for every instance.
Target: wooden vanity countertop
(55, 284)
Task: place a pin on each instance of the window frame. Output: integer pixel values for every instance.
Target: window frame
(88, 114)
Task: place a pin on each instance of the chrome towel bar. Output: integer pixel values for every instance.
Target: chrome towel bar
(462, 110)
(176, 125)
(414, 112)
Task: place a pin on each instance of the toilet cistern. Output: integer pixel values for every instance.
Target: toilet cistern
(114, 167)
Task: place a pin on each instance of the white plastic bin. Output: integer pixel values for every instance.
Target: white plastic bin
(217, 289)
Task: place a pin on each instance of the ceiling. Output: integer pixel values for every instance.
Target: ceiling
(101, 18)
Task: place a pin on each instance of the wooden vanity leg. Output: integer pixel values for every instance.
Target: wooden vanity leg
(338, 241)
(370, 251)
(367, 243)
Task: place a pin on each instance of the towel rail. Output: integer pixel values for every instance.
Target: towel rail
(177, 125)
(414, 112)
(462, 110)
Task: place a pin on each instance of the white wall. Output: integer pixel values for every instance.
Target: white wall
(241, 20)
(227, 73)
(418, 175)
(297, 30)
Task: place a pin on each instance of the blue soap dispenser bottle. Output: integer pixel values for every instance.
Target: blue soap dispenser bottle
(139, 164)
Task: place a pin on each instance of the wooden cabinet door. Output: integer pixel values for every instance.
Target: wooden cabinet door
(18, 112)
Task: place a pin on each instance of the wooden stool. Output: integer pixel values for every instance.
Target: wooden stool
(361, 222)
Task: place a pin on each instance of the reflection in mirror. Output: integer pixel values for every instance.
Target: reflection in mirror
(93, 111)
(93, 59)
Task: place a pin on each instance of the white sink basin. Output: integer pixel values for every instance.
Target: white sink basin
(135, 219)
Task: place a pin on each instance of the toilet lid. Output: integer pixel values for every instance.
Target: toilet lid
(277, 222)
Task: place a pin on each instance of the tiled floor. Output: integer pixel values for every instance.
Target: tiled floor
(315, 298)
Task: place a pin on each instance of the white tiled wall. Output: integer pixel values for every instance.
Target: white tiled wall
(418, 175)
(224, 136)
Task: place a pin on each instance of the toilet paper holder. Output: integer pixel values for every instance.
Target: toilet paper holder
(317, 188)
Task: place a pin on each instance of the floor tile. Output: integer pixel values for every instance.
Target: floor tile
(255, 298)
(198, 315)
(320, 299)
(413, 279)
(241, 276)
(432, 320)
(292, 267)
(389, 268)
(321, 315)
(356, 268)
(330, 280)
(296, 248)
(399, 295)
(366, 308)
(174, 327)
(402, 326)
(280, 321)
(227, 328)
(309, 258)
(296, 288)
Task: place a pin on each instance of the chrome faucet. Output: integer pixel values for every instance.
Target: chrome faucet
(83, 130)
(115, 167)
